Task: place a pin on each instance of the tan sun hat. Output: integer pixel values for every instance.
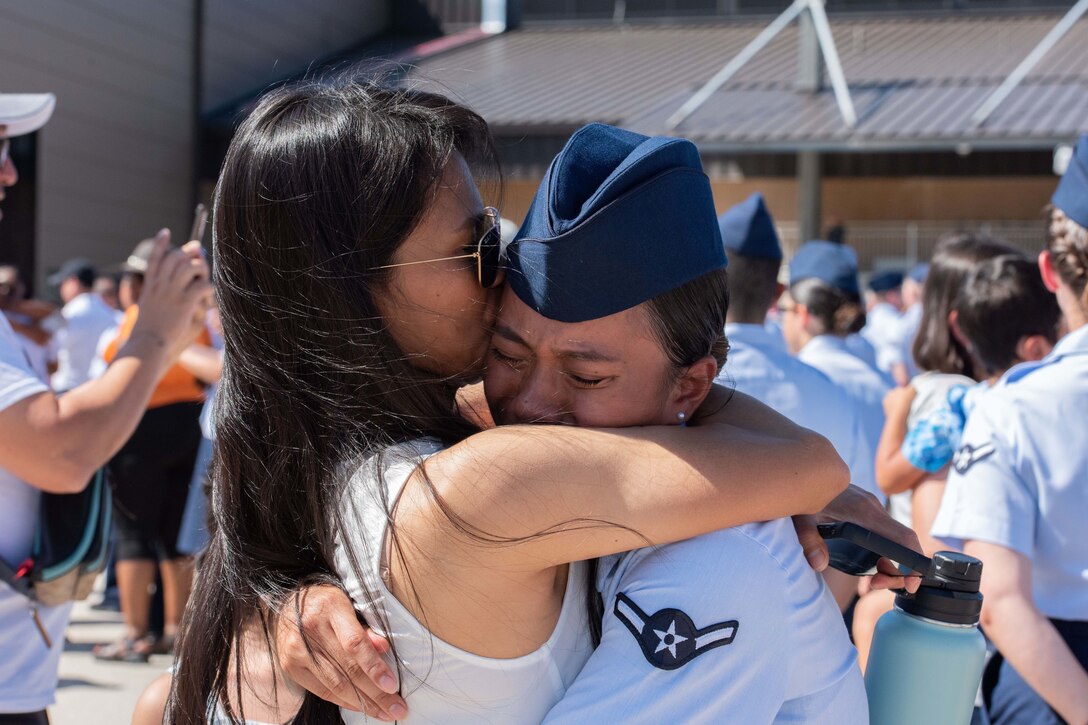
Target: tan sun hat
(140, 258)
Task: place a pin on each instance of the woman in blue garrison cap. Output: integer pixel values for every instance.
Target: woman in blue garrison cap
(822, 310)
(357, 275)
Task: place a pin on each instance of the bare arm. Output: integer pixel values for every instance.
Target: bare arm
(203, 361)
(925, 503)
(33, 332)
(894, 474)
(655, 484)
(1024, 636)
(55, 444)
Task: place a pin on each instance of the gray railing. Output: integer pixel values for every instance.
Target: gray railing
(900, 244)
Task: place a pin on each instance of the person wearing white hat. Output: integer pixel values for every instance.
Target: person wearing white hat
(50, 443)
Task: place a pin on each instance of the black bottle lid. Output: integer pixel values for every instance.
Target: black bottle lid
(949, 593)
(950, 581)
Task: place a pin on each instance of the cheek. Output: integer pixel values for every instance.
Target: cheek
(619, 407)
(500, 383)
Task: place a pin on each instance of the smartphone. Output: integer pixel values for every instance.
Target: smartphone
(200, 220)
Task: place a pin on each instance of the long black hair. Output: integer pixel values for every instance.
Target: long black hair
(321, 185)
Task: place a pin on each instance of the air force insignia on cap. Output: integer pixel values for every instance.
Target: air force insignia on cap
(968, 455)
(668, 638)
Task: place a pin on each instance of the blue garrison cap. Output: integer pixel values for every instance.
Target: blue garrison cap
(835, 264)
(919, 272)
(885, 281)
(619, 219)
(748, 229)
(1071, 196)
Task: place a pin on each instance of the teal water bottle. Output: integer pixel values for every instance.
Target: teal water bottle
(927, 655)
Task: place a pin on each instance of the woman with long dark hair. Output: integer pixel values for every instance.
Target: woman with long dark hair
(357, 277)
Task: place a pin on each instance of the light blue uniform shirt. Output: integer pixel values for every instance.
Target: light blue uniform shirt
(864, 384)
(909, 324)
(759, 365)
(884, 331)
(1020, 477)
(861, 348)
(728, 627)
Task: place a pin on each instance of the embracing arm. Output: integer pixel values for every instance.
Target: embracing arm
(602, 491)
(1024, 636)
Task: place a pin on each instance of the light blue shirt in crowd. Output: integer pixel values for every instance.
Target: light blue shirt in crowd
(863, 383)
(759, 365)
(1020, 477)
(884, 331)
(909, 324)
(861, 348)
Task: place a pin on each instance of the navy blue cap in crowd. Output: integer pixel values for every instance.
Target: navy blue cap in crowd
(919, 272)
(619, 219)
(835, 264)
(748, 229)
(81, 269)
(1071, 196)
(885, 281)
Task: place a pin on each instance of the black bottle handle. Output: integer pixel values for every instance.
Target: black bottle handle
(860, 559)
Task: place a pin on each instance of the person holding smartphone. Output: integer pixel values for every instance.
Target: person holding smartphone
(50, 443)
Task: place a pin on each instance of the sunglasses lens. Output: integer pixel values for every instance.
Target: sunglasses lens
(490, 247)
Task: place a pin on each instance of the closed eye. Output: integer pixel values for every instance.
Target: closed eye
(503, 358)
(586, 382)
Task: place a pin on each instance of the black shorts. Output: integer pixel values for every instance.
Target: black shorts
(150, 477)
(26, 718)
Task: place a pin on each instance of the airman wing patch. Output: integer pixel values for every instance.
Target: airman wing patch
(968, 455)
(668, 638)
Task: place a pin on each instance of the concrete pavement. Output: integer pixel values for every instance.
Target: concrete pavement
(99, 693)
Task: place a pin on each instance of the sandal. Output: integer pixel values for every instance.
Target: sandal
(123, 650)
(157, 645)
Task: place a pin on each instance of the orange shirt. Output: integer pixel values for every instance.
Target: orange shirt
(178, 385)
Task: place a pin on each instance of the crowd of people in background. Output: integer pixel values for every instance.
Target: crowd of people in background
(74, 344)
(954, 389)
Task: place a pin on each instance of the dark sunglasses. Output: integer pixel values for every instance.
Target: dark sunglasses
(490, 271)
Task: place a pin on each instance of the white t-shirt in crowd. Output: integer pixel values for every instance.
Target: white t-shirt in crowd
(28, 669)
(729, 627)
(931, 392)
(86, 317)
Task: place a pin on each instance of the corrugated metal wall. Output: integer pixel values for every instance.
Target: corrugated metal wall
(114, 164)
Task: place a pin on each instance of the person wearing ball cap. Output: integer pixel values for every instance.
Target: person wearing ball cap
(614, 317)
(55, 444)
(760, 366)
(1017, 498)
(823, 310)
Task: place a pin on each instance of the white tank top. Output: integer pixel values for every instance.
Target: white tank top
(441, 683)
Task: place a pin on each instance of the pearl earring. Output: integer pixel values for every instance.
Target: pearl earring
(681, 416)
